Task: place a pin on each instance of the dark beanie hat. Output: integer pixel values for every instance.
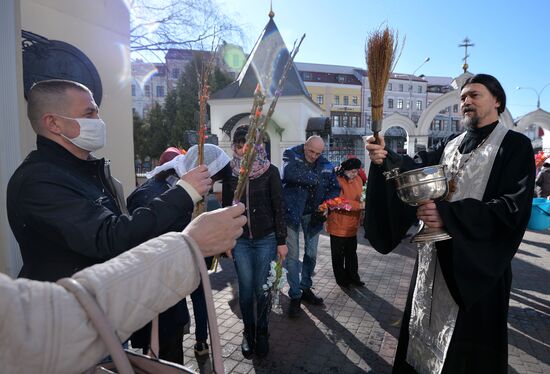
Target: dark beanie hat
(351, 163)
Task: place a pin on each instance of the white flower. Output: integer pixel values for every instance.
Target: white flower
(275, 281)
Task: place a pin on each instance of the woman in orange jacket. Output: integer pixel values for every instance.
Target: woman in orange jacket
(342, 225)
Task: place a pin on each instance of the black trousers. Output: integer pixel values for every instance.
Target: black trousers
(171, 348)
(344, 259)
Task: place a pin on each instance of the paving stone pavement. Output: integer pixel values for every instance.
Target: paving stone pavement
(356, 331)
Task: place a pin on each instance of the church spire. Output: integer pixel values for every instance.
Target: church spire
(271, 12)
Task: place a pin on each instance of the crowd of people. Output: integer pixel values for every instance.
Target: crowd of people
(70, 219)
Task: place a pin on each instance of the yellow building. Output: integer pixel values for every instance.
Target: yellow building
(338, 91)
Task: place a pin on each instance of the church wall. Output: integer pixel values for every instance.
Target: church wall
(291, 114)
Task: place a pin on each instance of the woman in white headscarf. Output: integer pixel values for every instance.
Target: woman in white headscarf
(171, 322)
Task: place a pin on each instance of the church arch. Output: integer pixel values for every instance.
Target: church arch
(399, 120)
(540, 117)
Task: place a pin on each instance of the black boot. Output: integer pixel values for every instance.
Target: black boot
(294, 309)
(247, 346)
(262, 342)
(309, 297)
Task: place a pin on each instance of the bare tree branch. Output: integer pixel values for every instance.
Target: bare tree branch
(158, 25)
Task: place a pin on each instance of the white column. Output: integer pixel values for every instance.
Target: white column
(11, 89)
(422, 140)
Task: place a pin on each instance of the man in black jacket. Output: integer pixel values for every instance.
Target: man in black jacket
(63, 206)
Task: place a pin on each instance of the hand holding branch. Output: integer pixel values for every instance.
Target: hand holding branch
(218, 230)
(199, 178)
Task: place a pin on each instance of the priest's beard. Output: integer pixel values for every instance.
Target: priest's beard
(470, 122)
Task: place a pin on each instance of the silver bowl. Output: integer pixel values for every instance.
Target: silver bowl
(418, 186)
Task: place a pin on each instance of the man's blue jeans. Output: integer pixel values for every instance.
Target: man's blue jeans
(252, 258)
(293, 257)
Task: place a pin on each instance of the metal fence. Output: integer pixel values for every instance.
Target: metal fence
(341, 149)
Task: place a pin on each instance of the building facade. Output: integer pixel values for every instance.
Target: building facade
(151, 82)
(447, 121)
(337, 91)
(149, 86)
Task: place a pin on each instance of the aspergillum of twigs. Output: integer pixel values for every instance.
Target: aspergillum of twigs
(381, 53)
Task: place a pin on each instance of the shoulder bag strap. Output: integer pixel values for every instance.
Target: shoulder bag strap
(100, 322)
(211, 310)
(106, 332)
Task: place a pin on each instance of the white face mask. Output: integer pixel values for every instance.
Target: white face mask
(92, 134)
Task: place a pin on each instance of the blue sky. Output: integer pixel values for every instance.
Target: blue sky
(512, 38)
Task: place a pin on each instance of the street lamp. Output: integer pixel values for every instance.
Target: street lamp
(537, 92)
(410, 85)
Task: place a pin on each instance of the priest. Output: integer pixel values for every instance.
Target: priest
(455, 319)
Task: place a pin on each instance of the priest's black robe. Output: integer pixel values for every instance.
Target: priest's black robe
(476, 262)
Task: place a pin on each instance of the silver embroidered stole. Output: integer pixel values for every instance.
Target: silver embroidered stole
(434, 311)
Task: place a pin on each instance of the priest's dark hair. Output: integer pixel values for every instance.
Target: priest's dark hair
(493, 85)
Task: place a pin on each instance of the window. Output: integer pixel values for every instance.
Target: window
(401, 87)
(320, 99)
(160, 91)
(341, 79)
(336, 121)
(175, 73)
(418, 105)
(354, 100)
(454, 126)
(408, 104)
(390, 103)
(389, 86)
(145, 112)
(455, 108)
(354, 121)
(399, 103)
(419, 89)
(410, 87)
(367, 119)
(346, 100)
(307, 76)
(336, 100)
(370, 101)
(133, 90)
(147, 90)
(345, 121)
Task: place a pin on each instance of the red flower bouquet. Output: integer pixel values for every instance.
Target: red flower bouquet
(338, 203)
(540, 158)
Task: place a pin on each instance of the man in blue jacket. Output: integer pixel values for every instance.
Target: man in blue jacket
(308, 180)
